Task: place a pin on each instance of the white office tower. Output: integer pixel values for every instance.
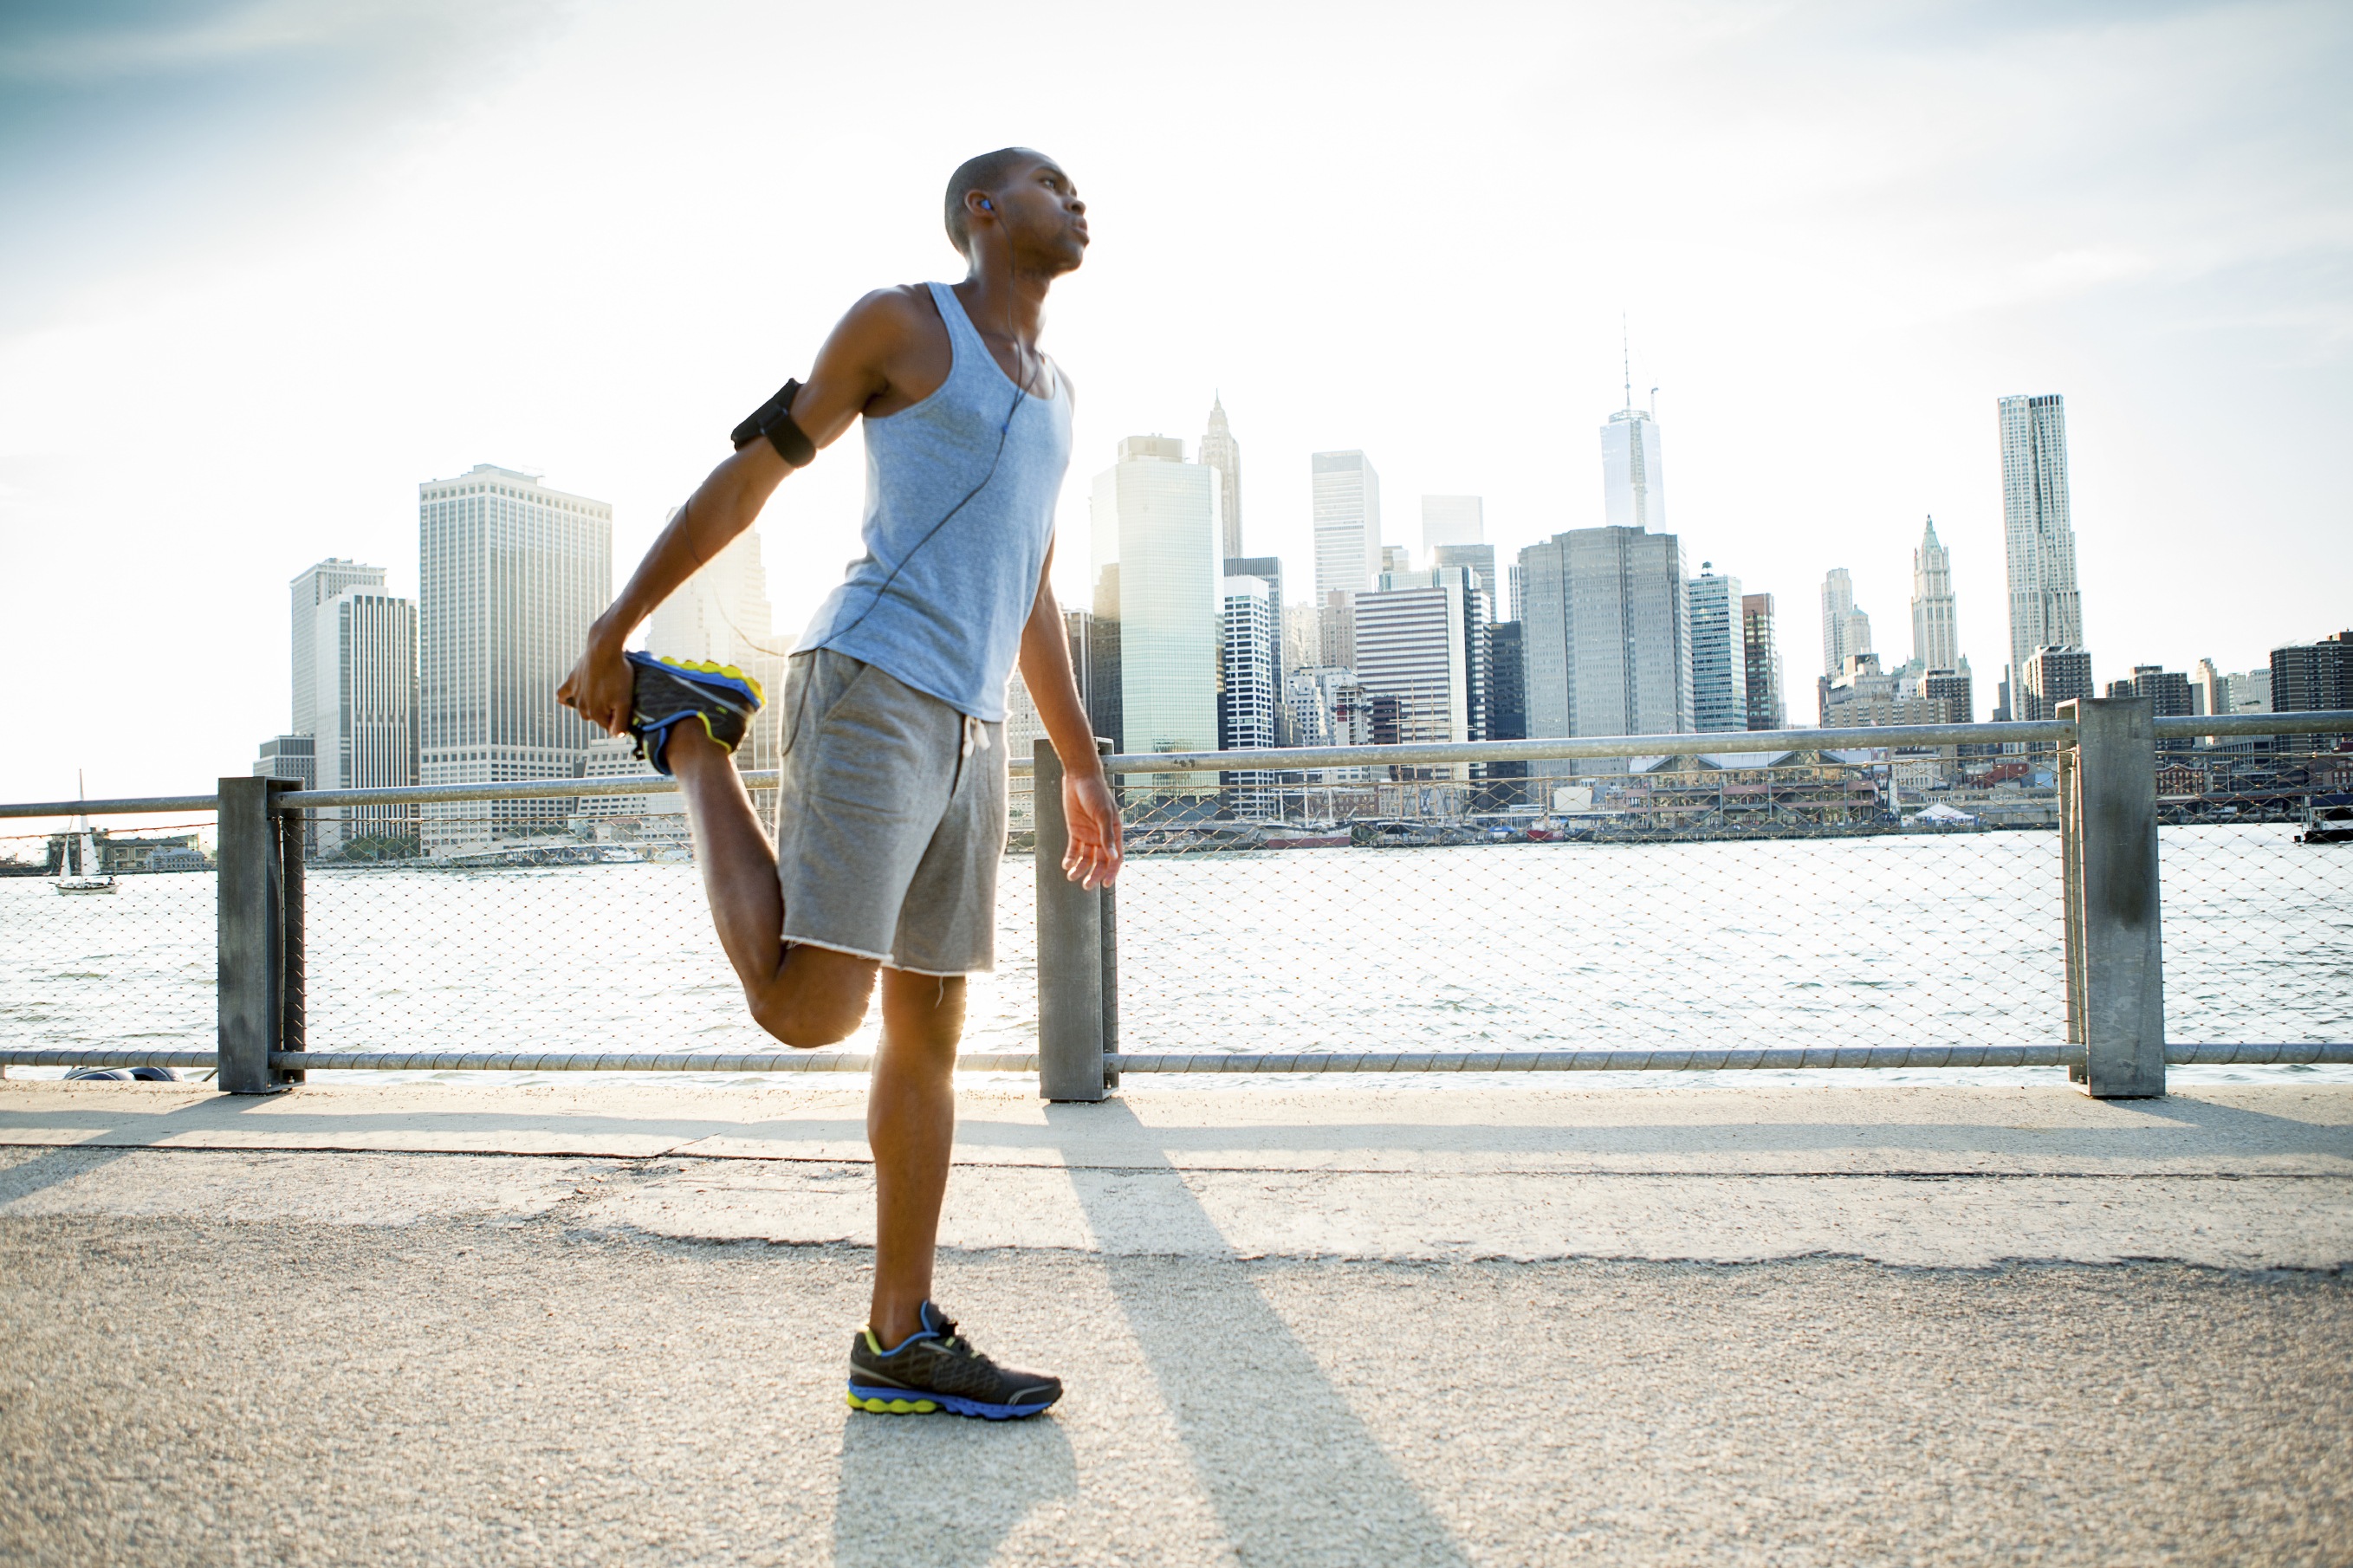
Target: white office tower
(1249, 688)
(314, 586)
(1846, 631)
(2045, 611)
(1719, 653)
(722, 616)
(1421, 658)
(1347, 523)
(511, 574)
(2210, 688)
(1453, 519)
(1607, 636)
(1220, 451)
(365, 725)
(1634, 479)
(1155, 519)
(1936, 625)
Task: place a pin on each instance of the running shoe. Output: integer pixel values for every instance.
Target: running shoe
(668, 691)
(936, 1369)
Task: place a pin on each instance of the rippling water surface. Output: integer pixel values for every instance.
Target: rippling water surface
(1901, 940)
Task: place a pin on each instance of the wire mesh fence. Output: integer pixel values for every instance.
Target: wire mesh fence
(1661, 906)
(2255, 854)
(127, 961)
(593, 935)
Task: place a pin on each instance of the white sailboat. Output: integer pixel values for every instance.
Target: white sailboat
(91, 880)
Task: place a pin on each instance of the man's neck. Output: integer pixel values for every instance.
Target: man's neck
(1002, 301)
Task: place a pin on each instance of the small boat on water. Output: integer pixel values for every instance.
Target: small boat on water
(79, 874)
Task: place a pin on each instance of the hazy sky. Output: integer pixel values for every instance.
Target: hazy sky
(269, 265)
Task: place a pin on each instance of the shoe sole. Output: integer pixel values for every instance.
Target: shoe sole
(898, 1402)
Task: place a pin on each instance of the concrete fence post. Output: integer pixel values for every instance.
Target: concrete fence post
(2115, 968)
(1070, 958)
(250, 935)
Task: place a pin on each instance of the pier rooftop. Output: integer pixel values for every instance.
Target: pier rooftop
(1332, 1322)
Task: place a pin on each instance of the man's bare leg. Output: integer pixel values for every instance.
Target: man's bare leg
(803, 995)
(910, 1127)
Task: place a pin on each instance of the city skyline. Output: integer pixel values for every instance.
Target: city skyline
(1885, 227)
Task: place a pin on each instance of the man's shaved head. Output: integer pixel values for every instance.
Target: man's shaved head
(987, 174)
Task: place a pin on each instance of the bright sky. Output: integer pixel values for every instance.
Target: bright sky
(269, 265)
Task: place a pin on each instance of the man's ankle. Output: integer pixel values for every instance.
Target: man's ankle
(894, 1326)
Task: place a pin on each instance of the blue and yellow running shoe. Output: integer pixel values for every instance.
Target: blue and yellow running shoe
(936, 1369)
(669, 691)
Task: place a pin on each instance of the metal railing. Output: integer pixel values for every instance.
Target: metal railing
(2104, 976)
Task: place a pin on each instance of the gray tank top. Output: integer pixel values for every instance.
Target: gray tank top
(952, 562)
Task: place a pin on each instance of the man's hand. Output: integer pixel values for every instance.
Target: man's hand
(1092, 859)
(601, 687)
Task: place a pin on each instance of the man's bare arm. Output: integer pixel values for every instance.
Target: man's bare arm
(855, 367)
(1095, 850)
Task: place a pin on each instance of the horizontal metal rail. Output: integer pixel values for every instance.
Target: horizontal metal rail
(140, 807)
(1764, 1057)
(1733, 742)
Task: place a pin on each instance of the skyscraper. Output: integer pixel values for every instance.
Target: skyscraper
(365, 725)
(1453, 519)
(721, 614)
(1220, 451)
(1633, 477)
(2052, 675)
(1268, 569)
(1761, 656)
(2045, 610)
(1719, 657)
(2312, 678)
(1507, 708)
(1421, 640)
(1155, 519)
(1935, 629)
(1249, 688)
(1347, 523)
(1846, 630)
(1607, 636)
(314, 586)
(511, 575)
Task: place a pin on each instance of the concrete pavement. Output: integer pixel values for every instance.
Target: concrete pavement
(1301, 1324)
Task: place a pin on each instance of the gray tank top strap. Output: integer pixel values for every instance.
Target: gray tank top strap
(963, 337)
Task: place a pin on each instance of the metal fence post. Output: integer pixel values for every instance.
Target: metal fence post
(2116, 971)
(251, 935)
(1070, 1013)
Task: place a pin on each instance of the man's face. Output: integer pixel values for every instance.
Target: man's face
(1042, 216)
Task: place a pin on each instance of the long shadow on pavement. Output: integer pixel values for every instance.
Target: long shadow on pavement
(940, 1492)
(1293, 1474)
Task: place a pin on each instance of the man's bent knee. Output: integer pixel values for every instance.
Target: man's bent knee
(818, 1000)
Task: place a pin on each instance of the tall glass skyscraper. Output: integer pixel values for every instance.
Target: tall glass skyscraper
(1155, 521)
(1719, 655)
(2038, 535)
(1633, 474)
(511, 575)
(1761, 650)
(1347, 523)
(1935, 627)
(1607, 636)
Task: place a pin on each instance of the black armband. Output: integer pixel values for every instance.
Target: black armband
(774, 419)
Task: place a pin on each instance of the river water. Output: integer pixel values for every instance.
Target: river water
(1914, 940)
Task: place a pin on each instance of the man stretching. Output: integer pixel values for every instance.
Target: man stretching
(891, 818)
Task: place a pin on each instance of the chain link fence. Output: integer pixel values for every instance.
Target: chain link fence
(2256, 853)
(129, 964)
(1658, 904)
(590, 936)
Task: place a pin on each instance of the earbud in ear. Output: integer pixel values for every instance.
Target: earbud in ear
(987, 205)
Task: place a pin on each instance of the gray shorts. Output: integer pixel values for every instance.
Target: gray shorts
(890, 820)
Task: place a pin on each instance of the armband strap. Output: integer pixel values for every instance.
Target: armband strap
(774, 419)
